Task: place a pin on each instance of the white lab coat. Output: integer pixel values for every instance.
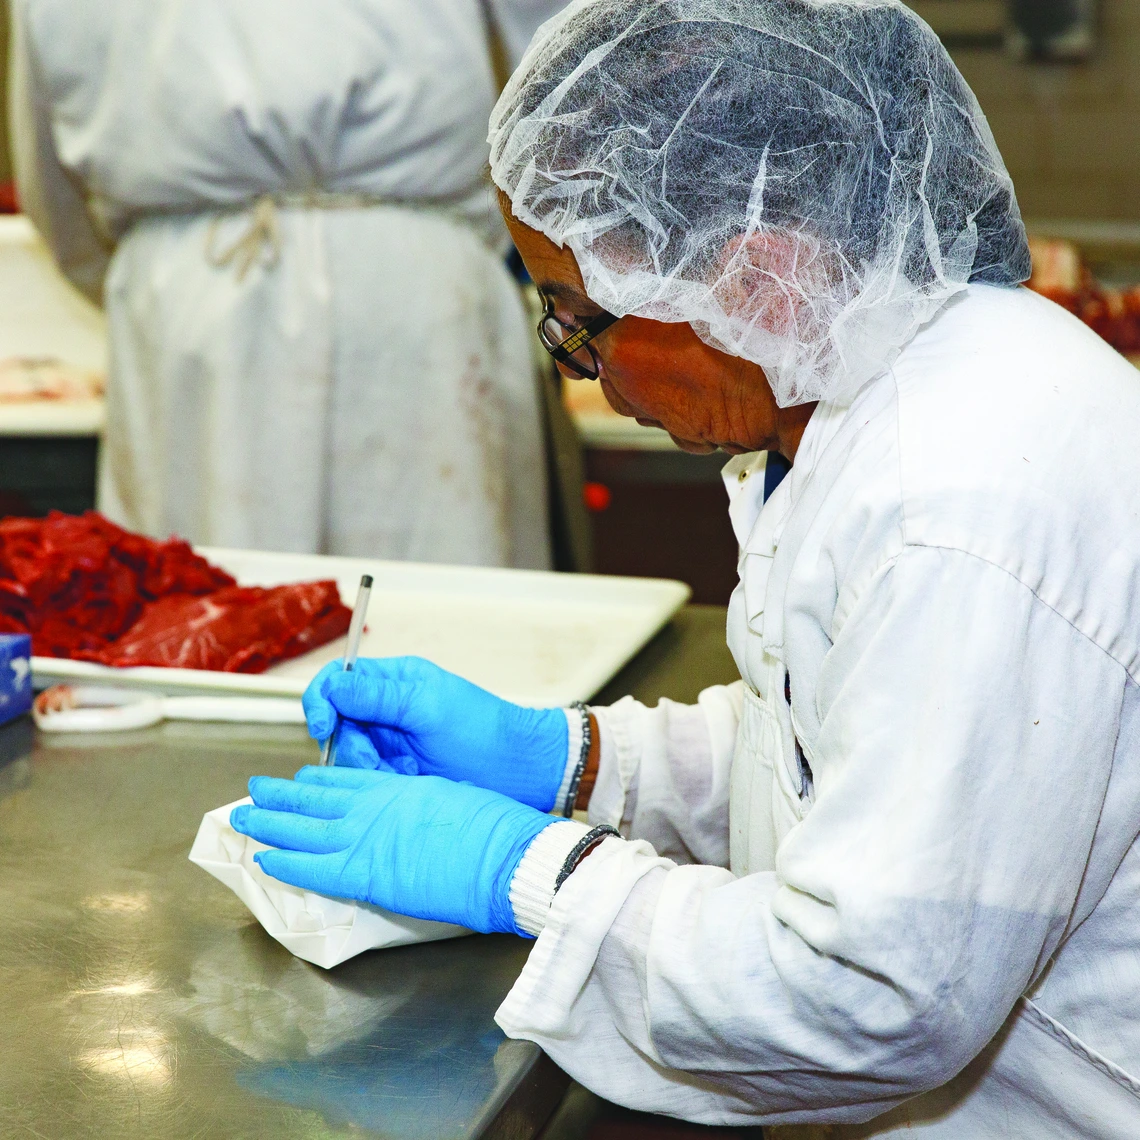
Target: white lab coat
(931, 924)
(344, 367)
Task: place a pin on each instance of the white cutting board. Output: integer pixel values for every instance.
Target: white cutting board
(530, 636)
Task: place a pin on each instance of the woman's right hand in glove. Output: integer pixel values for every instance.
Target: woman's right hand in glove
(407, 715)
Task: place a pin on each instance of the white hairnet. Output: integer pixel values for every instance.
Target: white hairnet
(805, 182)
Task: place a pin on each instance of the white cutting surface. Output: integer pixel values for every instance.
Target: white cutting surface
(41, 312)
(532, 637)
(43, 315)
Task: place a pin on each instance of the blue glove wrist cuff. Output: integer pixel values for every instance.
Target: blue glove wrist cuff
(526, 830)
(534, 767)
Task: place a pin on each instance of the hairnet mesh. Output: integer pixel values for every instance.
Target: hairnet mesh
(805, 182)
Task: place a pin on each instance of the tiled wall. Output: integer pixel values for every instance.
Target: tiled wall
(1070, 133)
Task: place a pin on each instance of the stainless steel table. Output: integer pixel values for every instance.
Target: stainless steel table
(139, 998)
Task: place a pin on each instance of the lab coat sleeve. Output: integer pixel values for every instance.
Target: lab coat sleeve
(48, 196)
(966, 738)
(663, 773)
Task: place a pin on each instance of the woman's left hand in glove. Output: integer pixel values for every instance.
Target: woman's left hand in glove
(416, 845)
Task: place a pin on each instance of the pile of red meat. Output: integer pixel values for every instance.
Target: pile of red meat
(1061, 275)
(87, 589)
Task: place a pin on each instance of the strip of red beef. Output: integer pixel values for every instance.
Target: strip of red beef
(241, 629)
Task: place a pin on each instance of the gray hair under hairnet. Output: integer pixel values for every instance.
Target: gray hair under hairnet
(805, 182)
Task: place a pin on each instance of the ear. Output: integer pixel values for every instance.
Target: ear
(774, 279)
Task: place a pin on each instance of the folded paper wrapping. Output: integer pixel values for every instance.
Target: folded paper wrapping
(321, 930)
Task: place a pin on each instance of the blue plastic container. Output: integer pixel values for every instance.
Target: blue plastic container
(15, 675)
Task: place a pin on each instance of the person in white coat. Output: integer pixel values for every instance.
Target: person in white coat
(886, 885)
(314, 343)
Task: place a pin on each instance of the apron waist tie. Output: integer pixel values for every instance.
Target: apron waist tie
(260, 242)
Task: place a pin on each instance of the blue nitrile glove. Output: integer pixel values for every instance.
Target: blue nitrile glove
(424, 847)
(411, 716)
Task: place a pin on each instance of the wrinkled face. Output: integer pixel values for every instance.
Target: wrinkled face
(663, 375)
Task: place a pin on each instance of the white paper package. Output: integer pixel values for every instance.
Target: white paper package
(321, 930)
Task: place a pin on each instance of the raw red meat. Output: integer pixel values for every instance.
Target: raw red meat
(242, 629)
(88, 589)
(1061, 275)
(76, 582)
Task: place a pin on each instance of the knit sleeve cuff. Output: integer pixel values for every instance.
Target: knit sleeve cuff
(573, 755)
(532, 887)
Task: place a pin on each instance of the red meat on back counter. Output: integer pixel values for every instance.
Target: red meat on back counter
(87, 589)
(76, 582)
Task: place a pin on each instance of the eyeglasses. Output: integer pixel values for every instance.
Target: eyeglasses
(574, 351)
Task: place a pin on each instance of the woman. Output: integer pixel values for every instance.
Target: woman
(888, 884)
(315, 345)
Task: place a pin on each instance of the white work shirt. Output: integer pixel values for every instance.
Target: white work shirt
(908, 902)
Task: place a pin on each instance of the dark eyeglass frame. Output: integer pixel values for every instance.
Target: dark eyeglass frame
(562, 350)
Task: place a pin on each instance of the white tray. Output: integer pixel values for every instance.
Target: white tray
(534, 637)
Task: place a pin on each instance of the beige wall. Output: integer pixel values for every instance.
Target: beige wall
(1070, 134)
(5, 164)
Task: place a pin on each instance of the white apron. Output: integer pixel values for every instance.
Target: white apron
(314, 343)
(365, 388)
(1035, 1079)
